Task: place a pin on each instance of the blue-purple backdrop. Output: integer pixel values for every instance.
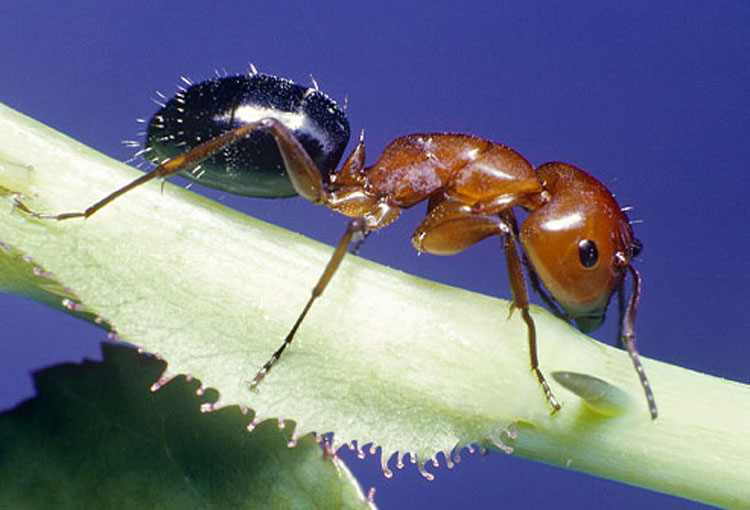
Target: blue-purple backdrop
(652, 100)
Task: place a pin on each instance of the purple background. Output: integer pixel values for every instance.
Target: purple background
(652, 100)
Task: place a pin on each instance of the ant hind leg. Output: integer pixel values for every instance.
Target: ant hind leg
(166, 169)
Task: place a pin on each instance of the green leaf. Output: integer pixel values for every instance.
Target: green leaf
(382, 358)
(96, 436)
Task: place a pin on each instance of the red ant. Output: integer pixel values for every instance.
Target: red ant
(575, 239)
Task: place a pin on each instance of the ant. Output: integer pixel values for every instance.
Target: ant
(261, 135)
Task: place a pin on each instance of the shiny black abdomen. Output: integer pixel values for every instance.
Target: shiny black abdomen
(253, 166)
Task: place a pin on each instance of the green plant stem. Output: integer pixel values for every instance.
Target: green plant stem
(383, 357)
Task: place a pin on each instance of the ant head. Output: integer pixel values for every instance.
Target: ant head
(579, 243)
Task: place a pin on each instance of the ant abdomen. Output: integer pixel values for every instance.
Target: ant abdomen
(252, 166)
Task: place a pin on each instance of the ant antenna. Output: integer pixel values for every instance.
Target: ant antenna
(628, 337)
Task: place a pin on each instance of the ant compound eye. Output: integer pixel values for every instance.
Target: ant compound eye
(637, 247)
(588, 253)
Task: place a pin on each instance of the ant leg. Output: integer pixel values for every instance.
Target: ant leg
(305, 175)
(354, 230)
(536, 283)
(357, 243)
(450, 227)
(166, 169)
(521, 302)
(300, 168)
(628, 338)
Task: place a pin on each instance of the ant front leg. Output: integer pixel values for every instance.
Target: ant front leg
(536, 284)
(521, 302)
(450, 227)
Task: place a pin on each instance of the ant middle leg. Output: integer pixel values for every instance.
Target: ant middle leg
(375, 215)
(354, 233)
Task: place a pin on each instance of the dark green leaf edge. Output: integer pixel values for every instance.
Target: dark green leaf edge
(97, 436)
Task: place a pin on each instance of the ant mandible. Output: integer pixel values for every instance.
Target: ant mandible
(575, 240)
